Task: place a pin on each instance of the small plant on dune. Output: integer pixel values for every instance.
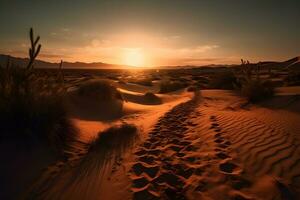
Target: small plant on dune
(193, 88)
(31, 105)
(149, 96)
(101, 90)
(254, 89)
(113, 142)
(224, 80)
(257, 90)
(143, 81)
(170, 86)
(101, 101)
(292, 79)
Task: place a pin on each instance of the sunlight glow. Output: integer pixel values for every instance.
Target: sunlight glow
(134, 57)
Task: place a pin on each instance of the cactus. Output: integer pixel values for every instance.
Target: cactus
(34, 49)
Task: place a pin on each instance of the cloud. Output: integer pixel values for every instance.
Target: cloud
(53, 56)
(205, 48)
(65, 29)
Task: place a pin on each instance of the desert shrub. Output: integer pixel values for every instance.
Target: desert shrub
(107, 147)
(150, 97)
(170, 86)
(293, 79)
(32, 106)
(144, 82)
(226, 80)
(100, 100)
(193, 88)
(114, 141)
(200, 79)
(99, 90)
(257, 90)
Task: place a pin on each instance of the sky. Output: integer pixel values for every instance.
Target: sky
(152, 32)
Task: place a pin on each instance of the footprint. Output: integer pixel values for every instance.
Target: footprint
(175, 148)
(214, 124)
(145, 195)
(222, 155)
(172, 193)
(227, 167)
(140, 152)
(151, 171)
(169, 178)
(147, 159)
(138, 168)
(219, 140)
(223, 146)
(140, 182)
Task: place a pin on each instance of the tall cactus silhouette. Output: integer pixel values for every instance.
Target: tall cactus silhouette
(34, 49)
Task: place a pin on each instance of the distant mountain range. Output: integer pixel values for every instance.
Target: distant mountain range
(43, 64)
(293, 64)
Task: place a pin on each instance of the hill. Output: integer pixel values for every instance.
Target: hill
(43, 64)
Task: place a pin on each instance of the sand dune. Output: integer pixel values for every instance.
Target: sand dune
(210, 146)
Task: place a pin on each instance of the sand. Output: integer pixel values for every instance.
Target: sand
(211, 145)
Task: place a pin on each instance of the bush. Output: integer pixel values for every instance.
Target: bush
(293, 79)
(107, 147)
(150, 97)
(96, 100)
(115, 139)
(226, 80)
(170, 86)
(99, 90)
(257, 90)
(32, 106)
(192, 88)
(144, 82)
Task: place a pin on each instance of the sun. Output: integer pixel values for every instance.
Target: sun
(134, 57)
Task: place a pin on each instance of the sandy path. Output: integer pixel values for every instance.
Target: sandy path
(82, 176)
(204, 148)
(165, 159)
(210, 148)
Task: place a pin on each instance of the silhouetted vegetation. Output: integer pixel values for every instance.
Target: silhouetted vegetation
(32, 106)
(224, 80)
(293, 79)
(192, 88)
(143, 81)
(99, 90)
(170, 86)
(113, 141)
(256, 90)
(252, 87)
(150, 97)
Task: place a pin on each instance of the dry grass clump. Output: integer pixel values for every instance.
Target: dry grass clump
(253, 88)
(225, 80)
(142, 81)
(96, 100)
(257, 90)
(293, 79)
(170, 86)
(99, 90)
(193, 88)
(32, 106)
(108, 147)
(114, 140)
(150, 97)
